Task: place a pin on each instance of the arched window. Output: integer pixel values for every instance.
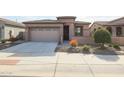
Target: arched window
(109, 29)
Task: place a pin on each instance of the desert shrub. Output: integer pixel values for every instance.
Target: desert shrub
(86, 48)
(12, 39)
(20, 36)
(110, 45)
(102, 36)
(3, 41)
(116, 46)
(73, 42)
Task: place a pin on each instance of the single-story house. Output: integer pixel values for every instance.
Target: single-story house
(115, 27)
(59, 30)
(7, 26)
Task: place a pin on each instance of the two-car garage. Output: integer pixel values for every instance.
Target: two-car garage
(44, 31)
(45, 34)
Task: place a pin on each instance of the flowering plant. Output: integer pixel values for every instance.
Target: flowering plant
(73, 42)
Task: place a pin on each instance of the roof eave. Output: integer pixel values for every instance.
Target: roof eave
(42, 22)
(22, 26)
(66, 17)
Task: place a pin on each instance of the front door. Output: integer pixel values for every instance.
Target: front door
(66, 33)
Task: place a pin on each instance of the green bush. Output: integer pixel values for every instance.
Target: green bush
(12, 39)
(102, 36)
(116, 46)
(86, 48)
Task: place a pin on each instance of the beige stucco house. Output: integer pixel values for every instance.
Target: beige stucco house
(115, 27)
(61, 29)
(7, 26)
(65, 28)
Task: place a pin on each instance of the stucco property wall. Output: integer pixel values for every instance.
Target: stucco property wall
(85, 40)
(15, 31)
(118, 40)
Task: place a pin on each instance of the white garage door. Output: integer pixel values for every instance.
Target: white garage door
(45, 34)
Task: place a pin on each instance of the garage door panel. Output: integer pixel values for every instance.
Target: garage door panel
(45, 35)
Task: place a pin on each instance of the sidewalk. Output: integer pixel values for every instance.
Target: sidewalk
(63, 64)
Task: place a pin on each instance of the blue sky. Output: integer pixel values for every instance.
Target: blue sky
(81, 18)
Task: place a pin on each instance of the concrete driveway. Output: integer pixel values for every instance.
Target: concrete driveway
(30, 49)
(47, 63)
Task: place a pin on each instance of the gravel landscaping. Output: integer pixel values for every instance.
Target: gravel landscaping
(94, 49)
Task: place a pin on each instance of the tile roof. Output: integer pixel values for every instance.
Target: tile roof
(82, 22)
(117, 19)
(9, 22)
(113, 22)
(42, 21)
(101, 22)
(52, 21)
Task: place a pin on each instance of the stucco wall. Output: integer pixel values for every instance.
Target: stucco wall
(45, 34)
(29, 26)
(118, 40)
(84, 40)
(15, 31)
(89, 40)
(86, 32)
(66, 20)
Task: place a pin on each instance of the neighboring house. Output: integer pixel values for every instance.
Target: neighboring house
(115, 27)
(7, 26)
(63, 29)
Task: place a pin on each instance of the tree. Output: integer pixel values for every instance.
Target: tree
(102, 36)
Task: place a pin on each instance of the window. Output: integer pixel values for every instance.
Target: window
(109, 29)
(78, 31)
(118, 31)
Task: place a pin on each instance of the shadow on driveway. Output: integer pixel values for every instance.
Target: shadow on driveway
(108, 58)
